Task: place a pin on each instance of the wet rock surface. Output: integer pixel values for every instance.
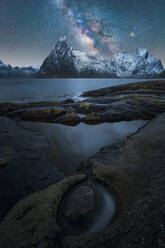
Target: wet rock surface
(136, 175)
(136, 101)
(133, 170)
(24, 168)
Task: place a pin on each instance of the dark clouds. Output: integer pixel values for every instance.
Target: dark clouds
(29, 28)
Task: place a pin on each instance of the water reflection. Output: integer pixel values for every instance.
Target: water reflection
(71, 145)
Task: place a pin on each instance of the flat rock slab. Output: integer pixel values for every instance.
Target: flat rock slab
(136, 175)
(136, 101)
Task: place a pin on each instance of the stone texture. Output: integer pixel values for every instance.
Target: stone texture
(136, 174)
(80, 204)
(33, 221)
(24, 167)
(38, 113)
(136, 101)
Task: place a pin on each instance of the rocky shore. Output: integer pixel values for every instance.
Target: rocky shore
(133, 171)
(136, 101)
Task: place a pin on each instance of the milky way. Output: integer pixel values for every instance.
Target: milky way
(29, 28)
(89, 31)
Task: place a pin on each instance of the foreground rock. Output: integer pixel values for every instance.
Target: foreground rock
(134, 170)
(63, 61)
(24, 168)
(80, 204)
(137, 101)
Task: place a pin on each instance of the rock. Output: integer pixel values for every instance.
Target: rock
(80, 204)
(33, 221)
(38, 113)
(136, 101)
(23, 161)
(63, 61)
(67, 101)
(70, 119)
(6, 155)
(137, 176)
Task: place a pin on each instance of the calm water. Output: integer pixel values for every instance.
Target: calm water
(52, 89)
(71, 145)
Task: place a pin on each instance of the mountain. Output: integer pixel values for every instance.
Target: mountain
(63, 61)
(6, 71)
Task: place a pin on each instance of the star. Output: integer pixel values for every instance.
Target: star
(132, 34)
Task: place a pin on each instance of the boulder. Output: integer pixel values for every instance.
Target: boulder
(80, 204)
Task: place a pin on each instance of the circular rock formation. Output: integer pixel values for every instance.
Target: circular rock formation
(80, 204)
(89, 208)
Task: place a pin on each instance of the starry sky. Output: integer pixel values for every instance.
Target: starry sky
(29, 28)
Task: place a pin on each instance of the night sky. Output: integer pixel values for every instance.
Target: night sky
(29, 28)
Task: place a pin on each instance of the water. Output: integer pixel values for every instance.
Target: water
(32, 90)
(71, 145)
(68, 145)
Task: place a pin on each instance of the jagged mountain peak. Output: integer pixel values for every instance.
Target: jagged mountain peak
(64, 61)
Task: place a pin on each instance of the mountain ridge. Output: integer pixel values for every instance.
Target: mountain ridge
(65, 62)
